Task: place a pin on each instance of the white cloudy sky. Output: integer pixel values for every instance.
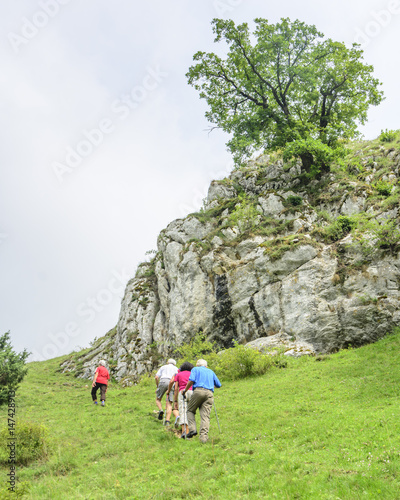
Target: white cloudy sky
(70, 240)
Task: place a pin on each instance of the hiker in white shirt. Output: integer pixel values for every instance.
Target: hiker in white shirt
(162, 378)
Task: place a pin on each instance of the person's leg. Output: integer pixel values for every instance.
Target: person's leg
(160, 391)
(182, 414)
(168, 409)
(94, 392)
(195, 401)
(175, 409)
(176, 413)
(205, 411)
(103, 390)
(188, 396)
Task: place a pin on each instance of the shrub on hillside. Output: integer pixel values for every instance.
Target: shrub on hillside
(197, 348)
(21, 489)
(241, 361)
(319, 155)
(383, 188)
(378, 234)
(231, 364)
(12, 368)
(294, 200)
(245, 215)
(338, 229)
(31, 443)
(388, 235)
(388, 135)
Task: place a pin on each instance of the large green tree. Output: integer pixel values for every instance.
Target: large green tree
(12, 367)
(283, 83)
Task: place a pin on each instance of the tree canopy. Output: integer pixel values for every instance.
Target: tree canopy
(285, 82)
(12, 367)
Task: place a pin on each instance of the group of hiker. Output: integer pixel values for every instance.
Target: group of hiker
(187, 389)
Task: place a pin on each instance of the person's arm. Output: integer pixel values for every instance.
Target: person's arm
(95, 378)
(217, 383)
(171, 383)
(157, 380)
(176, 391)
(187, 388)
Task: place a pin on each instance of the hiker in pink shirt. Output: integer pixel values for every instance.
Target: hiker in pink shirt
(181, 379)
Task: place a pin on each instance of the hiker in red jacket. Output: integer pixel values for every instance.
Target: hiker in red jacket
(100, 381)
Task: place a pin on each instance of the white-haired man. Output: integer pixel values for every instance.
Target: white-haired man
(163, 377)
(203, 381)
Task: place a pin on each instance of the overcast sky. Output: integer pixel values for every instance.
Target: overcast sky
(103, 143)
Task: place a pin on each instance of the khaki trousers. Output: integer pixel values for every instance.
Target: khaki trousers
(183, 414)
(203, 400)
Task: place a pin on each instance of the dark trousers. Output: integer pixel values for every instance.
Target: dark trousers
(103, 388)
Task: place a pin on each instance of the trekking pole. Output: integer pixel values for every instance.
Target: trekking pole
(163, 422)
(185, 425)
(216, 414)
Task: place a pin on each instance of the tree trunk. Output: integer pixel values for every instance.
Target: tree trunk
(307, 161)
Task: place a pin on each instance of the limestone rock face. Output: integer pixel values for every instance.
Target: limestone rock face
(267, 281)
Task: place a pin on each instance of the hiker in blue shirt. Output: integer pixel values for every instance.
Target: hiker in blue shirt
(203, 381)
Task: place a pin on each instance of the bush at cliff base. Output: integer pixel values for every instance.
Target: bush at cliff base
(31, 443)
(241, 361)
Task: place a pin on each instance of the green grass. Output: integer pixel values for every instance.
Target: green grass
(323, 428)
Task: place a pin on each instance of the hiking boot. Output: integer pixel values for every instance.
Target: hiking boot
(176, 422)
(95, 402)
(203, 440)
(191, 434)
(103, 403)
(160, 415)
(167, 423)
(183, 436)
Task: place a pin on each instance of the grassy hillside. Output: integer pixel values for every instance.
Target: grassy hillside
(323, 428)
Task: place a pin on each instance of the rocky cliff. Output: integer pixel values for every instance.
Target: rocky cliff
(270, 259)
